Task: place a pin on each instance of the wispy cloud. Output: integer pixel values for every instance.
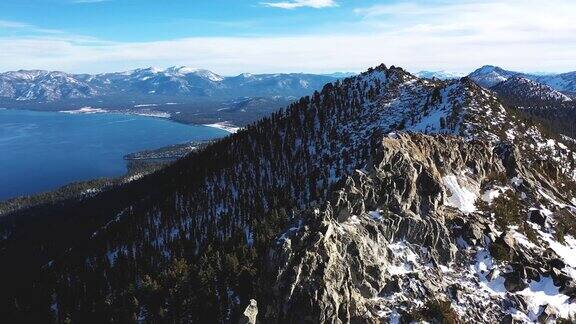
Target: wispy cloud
(293, 4)
(523, 35)
(493, 18)
(13, 24)
(27, 29)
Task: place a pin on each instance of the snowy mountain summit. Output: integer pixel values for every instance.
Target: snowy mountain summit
(489, 75)
(383, 197)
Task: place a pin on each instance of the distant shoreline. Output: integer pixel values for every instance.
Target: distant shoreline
(225, 126)
(143, 112)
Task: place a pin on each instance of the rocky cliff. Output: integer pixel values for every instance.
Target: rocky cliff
(434, 228)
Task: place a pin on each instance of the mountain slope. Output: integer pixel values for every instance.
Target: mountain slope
(564, 82)
(528, 93)
(547, 99)
(425, 224)
(43, 86)
(331, 210)
(489, 75)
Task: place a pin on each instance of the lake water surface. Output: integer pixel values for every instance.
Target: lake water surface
(41, 151)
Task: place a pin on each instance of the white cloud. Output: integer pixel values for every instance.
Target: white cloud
(13, 24)
(293, 4)
(477, 18)
(522, 35)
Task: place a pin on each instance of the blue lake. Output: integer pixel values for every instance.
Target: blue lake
(41, 151)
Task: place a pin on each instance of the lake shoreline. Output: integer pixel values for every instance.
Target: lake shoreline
(84, 147)
(222, 125)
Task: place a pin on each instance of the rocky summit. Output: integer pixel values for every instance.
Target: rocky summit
(382, 198)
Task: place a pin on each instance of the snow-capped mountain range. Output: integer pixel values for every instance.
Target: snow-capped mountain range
(43, 85)
(47, 86)
(52, 86)
(489, 76)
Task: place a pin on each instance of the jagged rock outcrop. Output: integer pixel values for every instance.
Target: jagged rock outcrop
(250, 313)
(389, 242)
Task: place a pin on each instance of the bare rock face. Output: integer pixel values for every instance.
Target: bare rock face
(355, 254)
(250, 314)
(404, 235)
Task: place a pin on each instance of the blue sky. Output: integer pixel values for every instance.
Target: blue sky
(150, 20)
(231, 37)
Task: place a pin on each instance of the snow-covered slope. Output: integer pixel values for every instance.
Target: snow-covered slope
(488, 76)
(565, 82)
(527, 92)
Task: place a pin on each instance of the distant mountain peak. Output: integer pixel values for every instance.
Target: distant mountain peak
(181, 69)
(490, 75)
(442, 75)
(488, 69)
(151, 69)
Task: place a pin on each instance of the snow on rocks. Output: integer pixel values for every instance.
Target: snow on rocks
(542, 293)
(566, 251)
(403, 260)
(488, 273)
(375, 215)
(490, 194)
(461, 196)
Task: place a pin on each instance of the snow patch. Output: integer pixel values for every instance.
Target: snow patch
(483, 266)
(516, 181)
(354, 220)
(489, 195)
(404, 259)
(544, 292)
(461, 197)
(230, 128)
(566, 251)
(85, 110)
(375, 215)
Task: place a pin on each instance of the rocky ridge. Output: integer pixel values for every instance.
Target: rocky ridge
(529, 93)
(399, 236)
